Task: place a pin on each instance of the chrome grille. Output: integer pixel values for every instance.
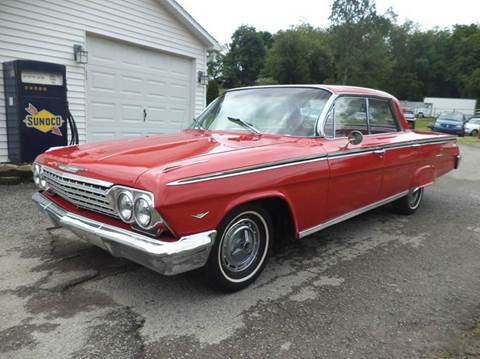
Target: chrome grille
(81, 191)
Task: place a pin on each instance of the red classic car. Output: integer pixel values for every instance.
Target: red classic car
(258, 165)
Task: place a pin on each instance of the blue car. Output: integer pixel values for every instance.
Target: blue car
(453, 122)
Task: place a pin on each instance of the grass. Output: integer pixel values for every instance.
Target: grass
(442, 355)
(469, 140)
(421, 124)
(474, 332)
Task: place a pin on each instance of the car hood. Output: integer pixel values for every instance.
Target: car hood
(123, 161)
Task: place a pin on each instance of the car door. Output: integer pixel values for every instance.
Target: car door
(355, 170)
(400, 153)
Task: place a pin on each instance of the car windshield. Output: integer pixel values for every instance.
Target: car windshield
(290, 111)
(453, 116)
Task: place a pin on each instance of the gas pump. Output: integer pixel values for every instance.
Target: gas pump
(36, 108)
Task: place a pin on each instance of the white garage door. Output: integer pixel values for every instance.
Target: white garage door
(133, 91)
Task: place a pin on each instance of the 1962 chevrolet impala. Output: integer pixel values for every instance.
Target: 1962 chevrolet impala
(259, 164)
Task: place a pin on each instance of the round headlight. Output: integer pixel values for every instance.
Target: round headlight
(125, 206)
(36, 179)
(36, 175)
(143, 212)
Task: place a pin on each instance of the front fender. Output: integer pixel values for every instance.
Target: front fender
(251, 197)
(203, 214)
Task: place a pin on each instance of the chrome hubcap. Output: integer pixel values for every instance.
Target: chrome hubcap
(414, 197)
(240, 245)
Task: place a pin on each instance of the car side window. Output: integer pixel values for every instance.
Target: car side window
(380, 117)
(347, 114)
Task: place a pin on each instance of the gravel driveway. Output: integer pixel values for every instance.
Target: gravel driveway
(377, 286)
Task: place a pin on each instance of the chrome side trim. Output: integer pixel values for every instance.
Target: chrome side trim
(436, 140)
(400, 145)
(356, 212)
(418, 143)
(168, 258)
(248, 170)
(354, 153)
(297, 161)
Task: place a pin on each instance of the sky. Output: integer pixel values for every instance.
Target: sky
(222, 17)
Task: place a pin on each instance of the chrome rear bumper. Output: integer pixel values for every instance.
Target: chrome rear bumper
(167, 258)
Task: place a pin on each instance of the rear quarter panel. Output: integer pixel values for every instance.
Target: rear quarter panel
(434, 159)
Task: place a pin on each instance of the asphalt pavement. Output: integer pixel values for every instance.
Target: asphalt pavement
(377, 286)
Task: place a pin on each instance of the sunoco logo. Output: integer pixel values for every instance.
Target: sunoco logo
(43, 120)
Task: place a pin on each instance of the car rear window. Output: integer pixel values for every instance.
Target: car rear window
(381, 117)
(350, 113)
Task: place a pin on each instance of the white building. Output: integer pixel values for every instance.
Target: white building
(443, 104)
(144, 60)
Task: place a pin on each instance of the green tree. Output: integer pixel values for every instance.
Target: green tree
(359, 42)
(215, 64)
(299, 55)
(430, 52)
(360, 47)
(267, 39)
(245, 58)
(212, 91)
(407, 86)
(465, 59)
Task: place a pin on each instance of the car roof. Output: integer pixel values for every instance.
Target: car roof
(334, 89)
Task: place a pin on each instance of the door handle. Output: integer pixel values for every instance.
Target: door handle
(144, 115)
(380, 151)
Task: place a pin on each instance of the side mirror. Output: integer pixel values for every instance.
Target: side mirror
(355, 138)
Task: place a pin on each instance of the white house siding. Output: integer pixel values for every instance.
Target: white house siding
(47, 30)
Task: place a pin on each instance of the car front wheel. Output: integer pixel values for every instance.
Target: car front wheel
(240, 252)
(474, 133)
(409, 204)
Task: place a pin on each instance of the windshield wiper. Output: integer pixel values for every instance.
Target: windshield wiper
(245, 124)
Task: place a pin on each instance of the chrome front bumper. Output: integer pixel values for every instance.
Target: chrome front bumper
(167, 258)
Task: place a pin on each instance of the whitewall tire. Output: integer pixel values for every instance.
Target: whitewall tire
(240, 252)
